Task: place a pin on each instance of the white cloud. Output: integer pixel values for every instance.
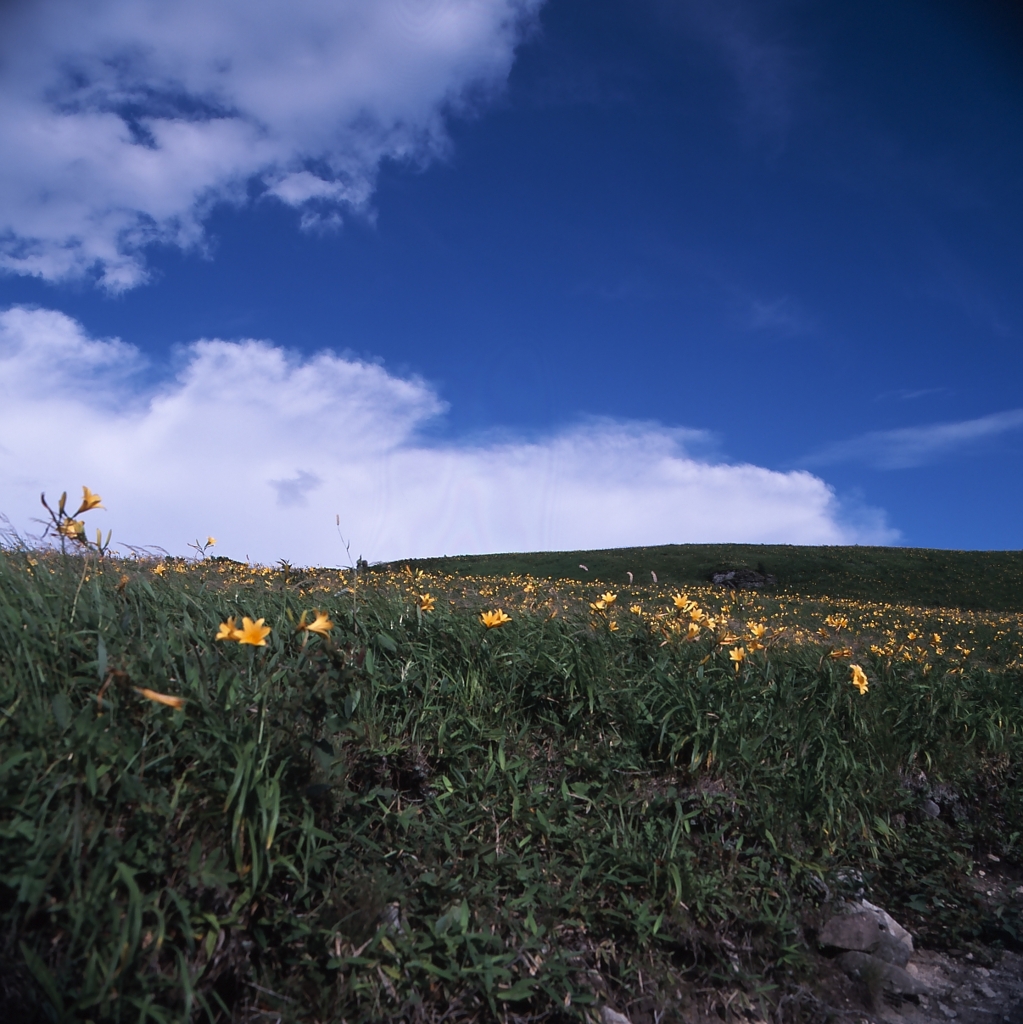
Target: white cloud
(123, 122)
(262, 448)
(916, 446)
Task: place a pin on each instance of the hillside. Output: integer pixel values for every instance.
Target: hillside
(926, 577)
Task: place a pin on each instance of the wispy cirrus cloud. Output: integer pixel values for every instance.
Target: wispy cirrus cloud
(123, 123)
(759, 56)
(909, 394)
(782, 316)
(907, 447)
(262, 448)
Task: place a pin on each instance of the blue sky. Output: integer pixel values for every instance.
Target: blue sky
(521, 274)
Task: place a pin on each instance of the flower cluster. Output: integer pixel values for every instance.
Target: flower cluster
(68, 526)
(494, 619)
(254, 633)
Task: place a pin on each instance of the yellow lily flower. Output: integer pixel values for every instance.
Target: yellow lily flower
(160, 569)
(697, 614)
(492, 619)
(859, 678)
(694, 631)
(738, 656)
(427, 602)
(227, 630)
(74, 529)
(758, 629)
(210, 541)
(321, 624)
(90, 501)
(636, 609)
(599, 605)
(681, 601)
(613, 626)
(160, 698)
(608, 598)
(254, 633)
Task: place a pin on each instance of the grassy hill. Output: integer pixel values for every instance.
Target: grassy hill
(370, 805)
(926, 577)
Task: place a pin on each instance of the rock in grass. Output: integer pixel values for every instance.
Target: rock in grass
(879, 974)
(869, 929)
(609, 1016)
(743, 579)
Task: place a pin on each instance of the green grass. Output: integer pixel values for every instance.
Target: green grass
(989, 580)
(421, 819)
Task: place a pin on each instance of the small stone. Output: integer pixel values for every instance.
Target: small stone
(986, 991)
(609, 1016)
(930, 808)
(994, 859)
(951, 1014)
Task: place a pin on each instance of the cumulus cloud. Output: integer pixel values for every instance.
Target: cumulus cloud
(916, 446)
(124, 122)
(262, 448)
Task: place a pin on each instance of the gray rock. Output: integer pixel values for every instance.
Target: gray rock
(609, 1016)
(869, 929)
(930, 808)
(878, 974)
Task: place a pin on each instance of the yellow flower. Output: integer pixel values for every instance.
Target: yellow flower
(608, 598)
(160, 698)
(160, 569)
(694, 631)
(254, 633)
(427, 603)
(598, 606)
(738, 655)
(321, 624)
(681, 601)
(859, 678)
(210, 541)
(636, 609)
(492, 619)
(72, 528)
(89, 501)
(227, 630)
(758, 629)
(613, 626)
(697, 615)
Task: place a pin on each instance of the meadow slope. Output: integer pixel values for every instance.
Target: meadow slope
(978, 580)
(637, 798)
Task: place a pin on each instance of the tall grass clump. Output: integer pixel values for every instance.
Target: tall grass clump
(379, 804)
